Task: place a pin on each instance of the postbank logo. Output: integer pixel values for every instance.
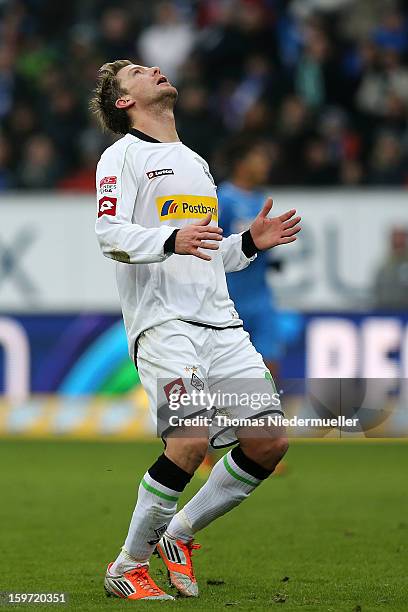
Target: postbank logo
(182, 206)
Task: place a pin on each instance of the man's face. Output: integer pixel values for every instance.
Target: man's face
(145, 86)
(257, 164)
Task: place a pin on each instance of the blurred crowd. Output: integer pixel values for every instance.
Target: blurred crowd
(324, 83)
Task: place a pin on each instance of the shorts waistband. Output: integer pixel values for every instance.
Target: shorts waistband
(210, 326)
(196, 323)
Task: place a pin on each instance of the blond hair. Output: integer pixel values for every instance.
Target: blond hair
(105, 94)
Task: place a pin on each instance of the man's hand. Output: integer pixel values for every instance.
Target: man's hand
(191, 237)
(267, 233)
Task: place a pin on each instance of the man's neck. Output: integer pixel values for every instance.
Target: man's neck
(160, 126)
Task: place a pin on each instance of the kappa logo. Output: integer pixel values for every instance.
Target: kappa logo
(155, 173)
(175, 389)
(184, 206)
(107, 206)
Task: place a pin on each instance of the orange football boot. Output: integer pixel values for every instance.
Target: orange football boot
(176, 555)
(135, 584)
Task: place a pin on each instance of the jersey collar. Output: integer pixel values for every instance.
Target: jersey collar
(143, 136)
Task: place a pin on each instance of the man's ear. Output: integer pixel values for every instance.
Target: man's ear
(124, 103)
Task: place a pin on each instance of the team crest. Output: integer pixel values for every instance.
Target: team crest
(196, 382)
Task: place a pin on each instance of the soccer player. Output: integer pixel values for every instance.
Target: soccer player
(240, 199)
(158, 219)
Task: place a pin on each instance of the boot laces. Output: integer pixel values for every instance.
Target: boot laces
(141, 576)
(191, 547)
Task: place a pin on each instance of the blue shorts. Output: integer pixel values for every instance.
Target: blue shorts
(262, 324)
(270, 330)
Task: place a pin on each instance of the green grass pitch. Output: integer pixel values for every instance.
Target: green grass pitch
(330, 534)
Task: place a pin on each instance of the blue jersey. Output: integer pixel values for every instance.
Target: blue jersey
(269, 329)
(248, 288)
(238, 208)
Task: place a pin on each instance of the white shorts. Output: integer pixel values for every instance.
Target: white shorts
(220, 365)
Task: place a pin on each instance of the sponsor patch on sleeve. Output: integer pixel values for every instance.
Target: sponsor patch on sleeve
(108, 184)
(107, 206)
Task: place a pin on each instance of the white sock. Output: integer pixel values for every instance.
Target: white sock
(227, 486)
(124, 563)
(156, 505)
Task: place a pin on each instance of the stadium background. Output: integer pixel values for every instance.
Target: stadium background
(325, 83)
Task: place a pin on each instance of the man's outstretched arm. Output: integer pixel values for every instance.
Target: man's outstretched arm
(238, 250)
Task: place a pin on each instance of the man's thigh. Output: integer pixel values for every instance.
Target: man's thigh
(234, 356)
(170, 366)
(241, 384)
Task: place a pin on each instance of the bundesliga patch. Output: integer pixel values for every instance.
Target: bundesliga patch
(182, 206)
(108, 184)
(154, 173)
(107, 206)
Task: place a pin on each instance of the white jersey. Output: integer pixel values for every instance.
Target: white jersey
(144, 191)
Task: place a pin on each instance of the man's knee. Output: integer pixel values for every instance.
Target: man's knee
(272, 448)
(267, 452)
(187, 453)
(280, 447)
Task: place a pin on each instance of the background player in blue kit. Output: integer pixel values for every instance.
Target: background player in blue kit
(239, 198)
